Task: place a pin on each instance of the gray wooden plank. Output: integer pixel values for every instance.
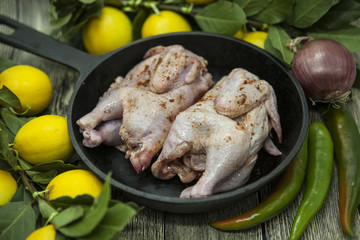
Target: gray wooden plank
(152, 224)
(196, 226)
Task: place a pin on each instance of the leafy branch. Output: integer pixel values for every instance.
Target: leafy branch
(102, 217)
(334, 19)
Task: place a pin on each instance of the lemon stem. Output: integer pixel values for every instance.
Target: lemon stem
(22, 113)
(187, 9)
(23, 176)
(45, 209)
(39, 193)
(153, 6)
(28, 185)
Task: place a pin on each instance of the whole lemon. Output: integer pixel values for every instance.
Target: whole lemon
(31, 85)
(45, 233)
(199, 2)
(73, 183)
(257, 38)
(104, 33)
(164, 22)
(44, 139)
(8, 187)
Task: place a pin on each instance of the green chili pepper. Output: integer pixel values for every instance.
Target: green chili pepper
(318, 177)
(346, 137)
(285, 191)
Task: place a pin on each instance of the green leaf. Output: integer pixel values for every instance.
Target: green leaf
(13, 122)
(6, 63)
(4, 165)
(279, 38)
(340, 16)
(349, 37)
(252, 7)
(66, 201)
(22, 195)
(9, 99)
(17, 220)
(307, 12)
(58, 165)
(276, 12)
(270, 48)
(80, 11)
(92, 217)
(60, 22)
(221, 17)
(46, 209)
(43, 177)
(25, 165)
(60, 236)
(4, 128)
(138, 21)
(5, 150)
(4, 145)
(115, 219)
(87, 1)
(68, 216)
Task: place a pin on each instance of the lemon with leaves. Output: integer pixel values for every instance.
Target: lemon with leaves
(73, 183)
(31, 85)
(164, 22)
(257, 38)
(8, 187)
(44, 233)
(107, 32)
(44, 139)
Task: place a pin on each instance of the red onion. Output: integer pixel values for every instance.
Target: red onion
(325, 69)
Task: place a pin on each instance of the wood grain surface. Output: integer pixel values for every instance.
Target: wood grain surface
(151, 224)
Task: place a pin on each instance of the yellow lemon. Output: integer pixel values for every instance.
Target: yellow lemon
(44, 139)
(31, 85)
(199, 2)
(104, 33)
(45, 233)
(165, 22)
(8, 187)
(257, 38)
(240, 34)
(73, 183)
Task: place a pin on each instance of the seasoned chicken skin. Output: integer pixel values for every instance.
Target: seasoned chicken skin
(220, 136)
(141, 107)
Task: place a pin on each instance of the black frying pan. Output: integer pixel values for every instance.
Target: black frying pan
(223, 54)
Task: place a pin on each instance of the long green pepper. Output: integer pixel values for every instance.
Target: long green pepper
(318, 177)
(346, 137)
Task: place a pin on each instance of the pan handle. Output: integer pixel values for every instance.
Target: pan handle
(40, 44)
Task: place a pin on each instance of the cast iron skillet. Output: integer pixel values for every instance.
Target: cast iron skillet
(223, 54)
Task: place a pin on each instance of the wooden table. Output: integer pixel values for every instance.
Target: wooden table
(151, 224)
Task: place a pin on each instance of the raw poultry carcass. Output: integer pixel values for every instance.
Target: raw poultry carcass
(137, 111)
(218, 138)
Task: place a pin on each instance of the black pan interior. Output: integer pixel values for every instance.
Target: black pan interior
(223, 54)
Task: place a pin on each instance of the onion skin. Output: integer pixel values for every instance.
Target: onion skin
(325, 69)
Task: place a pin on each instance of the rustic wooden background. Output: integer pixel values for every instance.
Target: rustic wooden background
(152, 224)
